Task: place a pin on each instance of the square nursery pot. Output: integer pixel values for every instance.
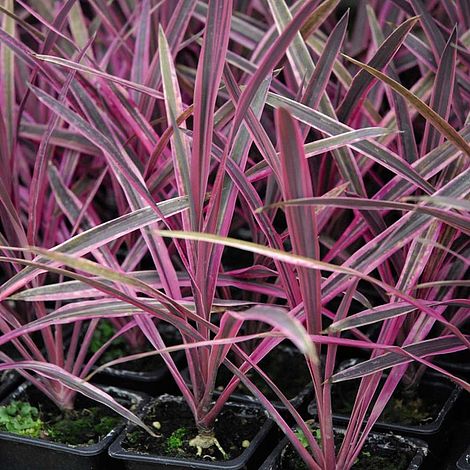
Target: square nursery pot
(387, 442)
(22, 453)
(153, 382)
(464, 461)
(249, 459)
(292, 362)
(434, 387)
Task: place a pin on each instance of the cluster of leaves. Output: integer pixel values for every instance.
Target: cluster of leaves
(145, 142)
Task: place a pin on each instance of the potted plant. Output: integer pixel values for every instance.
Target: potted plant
(163, 307)
(46, 419)
(147, 375)
(35, 430)
(202, 121)
(380, 449)
(422, 409)
(286, 366)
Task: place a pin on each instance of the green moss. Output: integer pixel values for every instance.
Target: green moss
(103, 333)
(408, 412)
(21, 418)
(406, 407)
(82, 427)
(78, 427)
(176, 440)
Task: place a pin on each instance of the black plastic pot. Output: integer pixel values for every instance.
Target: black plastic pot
(435, 385)
(140, 461)
(454, 440)
(23, 453)
(464, 461)
(273, 462)
(296, 402)
(154, 382)
(8, 381)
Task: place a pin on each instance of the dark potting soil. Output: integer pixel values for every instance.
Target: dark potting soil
(86, 424)
(383, 453)
(234, 429)
(286, 368)
(409, 407)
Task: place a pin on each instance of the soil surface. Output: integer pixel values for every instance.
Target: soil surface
(389, 454)
(87, 424)
(234, 429)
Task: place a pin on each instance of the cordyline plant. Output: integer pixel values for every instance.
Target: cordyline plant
(141, 138)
